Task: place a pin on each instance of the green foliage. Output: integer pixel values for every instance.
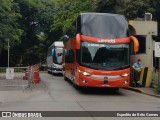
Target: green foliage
(105, 6)
(130, 8)
(157, 88)
(133, 8)
(37, 14)
(9, 27)
(33, 25)
(155, 84)
(37, 17)
(67, 11)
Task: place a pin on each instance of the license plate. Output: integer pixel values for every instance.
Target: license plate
(105, 78)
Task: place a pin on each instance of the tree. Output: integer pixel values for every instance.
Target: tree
(9, 27)
(67, 11)
(44, 21)
(105, 6)
(37, 17)
(133, 9)
(129, 8)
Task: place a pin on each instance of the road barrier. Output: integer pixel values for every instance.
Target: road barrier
(27, 73)
(23, 77)
(145, 77)
(36, 77)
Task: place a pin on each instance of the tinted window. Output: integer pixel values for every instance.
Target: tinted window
(103, 25)
(69, 56)
(57, 58)
(105, 56)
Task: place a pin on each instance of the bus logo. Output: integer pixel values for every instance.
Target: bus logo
(105, 78)
(107, 41)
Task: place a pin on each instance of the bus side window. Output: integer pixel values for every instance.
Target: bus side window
(69, 56)
(71, 52)
(66, 56)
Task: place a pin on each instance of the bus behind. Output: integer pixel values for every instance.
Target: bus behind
(54, 58)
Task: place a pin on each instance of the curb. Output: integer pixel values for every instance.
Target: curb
(141, 91)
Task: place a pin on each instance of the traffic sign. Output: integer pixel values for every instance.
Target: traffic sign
(157, 49)
(9, 73)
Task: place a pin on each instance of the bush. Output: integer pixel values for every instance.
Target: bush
(157, 88)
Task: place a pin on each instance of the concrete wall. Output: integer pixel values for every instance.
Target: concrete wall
(144, 27)
(147, 28)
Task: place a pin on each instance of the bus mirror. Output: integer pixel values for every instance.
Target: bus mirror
(65, 38)
(52, 52)
(78, 38)
(136, 43)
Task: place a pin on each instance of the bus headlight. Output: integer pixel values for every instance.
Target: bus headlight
(125, 82)
(84, 73)
(125, 75)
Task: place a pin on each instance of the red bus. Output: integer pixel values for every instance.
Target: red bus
(99, 55)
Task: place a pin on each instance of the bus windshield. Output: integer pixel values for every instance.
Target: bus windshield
(104, 56)
(57, 58)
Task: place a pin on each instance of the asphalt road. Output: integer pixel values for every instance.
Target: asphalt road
(55, 94)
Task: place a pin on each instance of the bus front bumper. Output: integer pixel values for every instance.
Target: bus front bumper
(57, 70)
(87, 81)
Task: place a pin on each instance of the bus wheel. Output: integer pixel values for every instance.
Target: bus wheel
(115, 89)
(77, 87)
(65, 78)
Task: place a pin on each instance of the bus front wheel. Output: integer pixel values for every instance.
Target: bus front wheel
(115, 89)
(77, 87)
(65, 78)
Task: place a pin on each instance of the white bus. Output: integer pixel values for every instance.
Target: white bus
(54, 58)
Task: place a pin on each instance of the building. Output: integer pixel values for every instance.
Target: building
(143, 30)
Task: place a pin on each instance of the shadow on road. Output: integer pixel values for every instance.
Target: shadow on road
(97, 91)
(90, 90)
(56, 74)
(100, 91)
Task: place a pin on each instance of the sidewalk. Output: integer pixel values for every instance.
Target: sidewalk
(143, 90)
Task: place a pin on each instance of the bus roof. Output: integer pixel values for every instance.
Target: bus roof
(102, 25)
(57, 44)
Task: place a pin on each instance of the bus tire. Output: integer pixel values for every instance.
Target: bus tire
(77, 87)
(65, 78)
(115, 89)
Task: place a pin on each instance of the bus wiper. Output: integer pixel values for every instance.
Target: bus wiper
(121, 67)
(95, 66)
(86, 64)
(90, 65)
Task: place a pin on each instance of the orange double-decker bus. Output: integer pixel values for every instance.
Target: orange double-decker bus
(99, 55)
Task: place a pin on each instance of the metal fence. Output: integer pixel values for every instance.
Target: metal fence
(13, 77)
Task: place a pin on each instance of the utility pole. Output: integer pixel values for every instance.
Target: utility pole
(8, 52)
(158, 81)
